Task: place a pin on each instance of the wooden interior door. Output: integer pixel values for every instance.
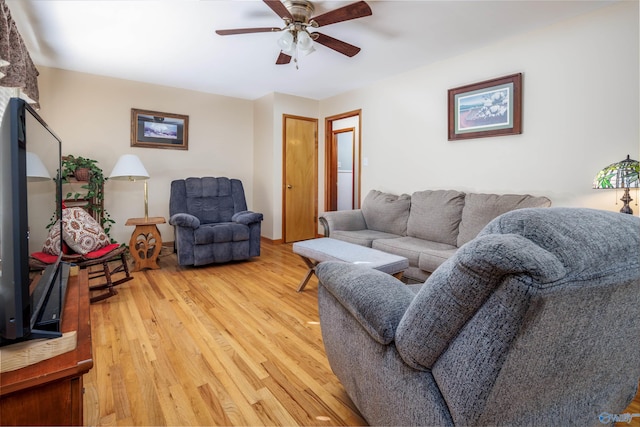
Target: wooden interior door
(300, 180)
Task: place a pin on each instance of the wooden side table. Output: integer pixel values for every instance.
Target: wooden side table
(146, 241)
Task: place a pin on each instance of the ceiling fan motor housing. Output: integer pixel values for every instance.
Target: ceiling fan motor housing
(301, 10)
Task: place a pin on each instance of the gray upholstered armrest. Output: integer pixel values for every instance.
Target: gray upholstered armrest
(375, 299)
(454, 293)
(246, 217)
(343, 220)
(184, 220)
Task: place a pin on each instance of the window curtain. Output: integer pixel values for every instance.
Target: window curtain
(16, 67)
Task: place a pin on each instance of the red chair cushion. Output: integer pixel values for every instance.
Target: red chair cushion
(102, 251)
(44, 257)
(50, 259)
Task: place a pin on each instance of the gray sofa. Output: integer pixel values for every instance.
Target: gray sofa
(426, 227)
(533, 323)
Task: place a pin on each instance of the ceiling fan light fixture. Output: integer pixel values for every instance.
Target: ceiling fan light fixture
(308, 51)
(286, 42)
(304, 41)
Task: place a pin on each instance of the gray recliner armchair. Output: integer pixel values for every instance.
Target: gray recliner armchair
(211, 221)
(533, 323)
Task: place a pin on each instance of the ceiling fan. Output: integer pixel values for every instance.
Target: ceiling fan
(296, 15)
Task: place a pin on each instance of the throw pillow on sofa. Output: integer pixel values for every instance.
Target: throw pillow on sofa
(480, 209)
(386, 212)
(435, 215)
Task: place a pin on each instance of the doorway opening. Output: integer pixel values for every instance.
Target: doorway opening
(342, 161)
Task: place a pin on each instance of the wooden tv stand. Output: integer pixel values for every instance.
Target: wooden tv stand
(50, 392)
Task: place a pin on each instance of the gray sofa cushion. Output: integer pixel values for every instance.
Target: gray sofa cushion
(432, 258)
(480, 209)
(435, 215)
(386, 212)
(361, 237)
(411, 248)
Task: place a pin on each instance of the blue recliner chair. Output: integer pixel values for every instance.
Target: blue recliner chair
(211, 221)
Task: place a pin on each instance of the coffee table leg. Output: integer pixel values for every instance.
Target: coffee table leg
(312, 269)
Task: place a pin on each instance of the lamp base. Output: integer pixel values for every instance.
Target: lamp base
(626, 198)
(146, 200)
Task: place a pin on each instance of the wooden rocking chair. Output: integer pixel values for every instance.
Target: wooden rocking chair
(112, 260)
(112, 263)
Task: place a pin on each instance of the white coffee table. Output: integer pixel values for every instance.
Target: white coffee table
(315, 251)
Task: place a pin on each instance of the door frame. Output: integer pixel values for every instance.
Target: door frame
(330, 186)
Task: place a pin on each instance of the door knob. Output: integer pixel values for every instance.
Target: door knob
(289, 186)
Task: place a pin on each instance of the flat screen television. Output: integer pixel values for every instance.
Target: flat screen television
(31, 298)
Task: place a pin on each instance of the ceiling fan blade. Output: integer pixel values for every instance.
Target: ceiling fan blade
(279, 8)
(247, 31)
(345, 13)
(283, 58)
(337, 45)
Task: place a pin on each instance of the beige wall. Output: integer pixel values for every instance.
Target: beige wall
(92, 115)
(268, 117)
(580, 114)
(227, 137)
(292, 105)
(266, 178)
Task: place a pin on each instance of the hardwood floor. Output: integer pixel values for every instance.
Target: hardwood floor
(634, 409)
(231, 344)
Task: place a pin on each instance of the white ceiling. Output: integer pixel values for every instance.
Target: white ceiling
(172, 42)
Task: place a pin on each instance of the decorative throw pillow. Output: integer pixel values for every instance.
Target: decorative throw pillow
(435, 215)
(386, 212)
(81, 232)
(52, 243)
(480, 209)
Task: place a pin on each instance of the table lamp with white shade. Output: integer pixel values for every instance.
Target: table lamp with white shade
(36, 170)
(130, 168)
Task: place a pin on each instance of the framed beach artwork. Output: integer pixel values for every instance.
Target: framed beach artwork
(153, 129)
(489, 108)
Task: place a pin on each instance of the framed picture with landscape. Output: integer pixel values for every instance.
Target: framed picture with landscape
(153, 129)
(489, 108)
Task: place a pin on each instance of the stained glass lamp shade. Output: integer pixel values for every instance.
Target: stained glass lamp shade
(623, 174)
